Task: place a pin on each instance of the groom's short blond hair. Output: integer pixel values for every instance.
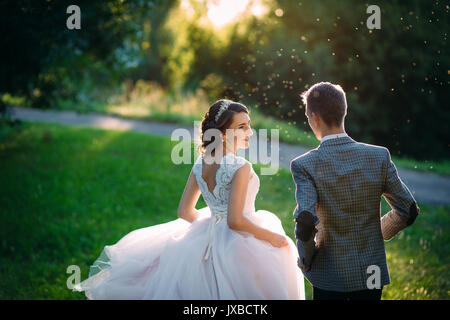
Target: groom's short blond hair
(328, 100)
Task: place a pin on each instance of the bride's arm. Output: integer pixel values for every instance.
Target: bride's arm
(235, 218)
(191, 193)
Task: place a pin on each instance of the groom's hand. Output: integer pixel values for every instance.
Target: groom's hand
(304, 269)
(307, 252)
(306, 245)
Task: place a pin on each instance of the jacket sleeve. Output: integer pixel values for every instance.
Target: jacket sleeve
(304, 214)
(305, 192)
(404, 207)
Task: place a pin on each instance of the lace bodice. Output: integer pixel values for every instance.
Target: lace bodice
(217, 200)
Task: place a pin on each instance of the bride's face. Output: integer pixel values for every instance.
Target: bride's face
(239, 132)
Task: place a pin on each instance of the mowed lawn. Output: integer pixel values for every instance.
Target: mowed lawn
(67, 192)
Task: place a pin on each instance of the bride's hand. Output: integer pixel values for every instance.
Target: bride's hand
(278, 240)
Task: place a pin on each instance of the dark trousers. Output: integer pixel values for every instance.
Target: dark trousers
(374, 294)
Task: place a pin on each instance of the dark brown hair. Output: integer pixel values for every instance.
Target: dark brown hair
(223, 122)
(328, 100)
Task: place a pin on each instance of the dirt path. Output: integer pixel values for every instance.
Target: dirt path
(426, 187)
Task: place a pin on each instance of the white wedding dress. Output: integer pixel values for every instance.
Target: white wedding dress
(202, 260)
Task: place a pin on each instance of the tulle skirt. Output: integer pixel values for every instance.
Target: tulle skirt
(167, 261)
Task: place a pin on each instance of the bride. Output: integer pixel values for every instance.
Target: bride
(226, 250)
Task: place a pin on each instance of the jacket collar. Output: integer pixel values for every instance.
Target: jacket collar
(336, 141)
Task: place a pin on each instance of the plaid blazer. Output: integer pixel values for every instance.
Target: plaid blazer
(341, 183)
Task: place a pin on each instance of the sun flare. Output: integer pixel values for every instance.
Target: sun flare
(223, 12)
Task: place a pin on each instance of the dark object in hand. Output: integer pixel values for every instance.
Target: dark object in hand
(304, 226)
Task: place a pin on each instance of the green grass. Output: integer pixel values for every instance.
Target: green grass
(64, 197)
(65, 192)
(418, 257)
(441, 167)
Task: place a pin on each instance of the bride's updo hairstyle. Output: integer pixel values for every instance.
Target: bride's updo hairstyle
(227, 109)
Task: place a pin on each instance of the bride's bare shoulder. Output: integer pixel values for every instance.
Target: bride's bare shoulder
(245, 170)
(247, 163)
(243, 173)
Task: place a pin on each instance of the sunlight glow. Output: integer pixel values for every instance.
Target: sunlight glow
(223, 12)
(258, 9)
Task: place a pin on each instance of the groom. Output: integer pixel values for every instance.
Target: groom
(338, 191)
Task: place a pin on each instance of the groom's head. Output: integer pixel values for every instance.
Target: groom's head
(326, 107)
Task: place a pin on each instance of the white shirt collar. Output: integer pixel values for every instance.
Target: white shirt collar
(333, 136)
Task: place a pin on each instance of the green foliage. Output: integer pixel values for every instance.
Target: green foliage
(396, 78)
(40, 53)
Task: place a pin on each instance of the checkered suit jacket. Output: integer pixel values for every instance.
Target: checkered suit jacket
(341, 183)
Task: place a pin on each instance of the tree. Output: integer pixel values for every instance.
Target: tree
(38, 48)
